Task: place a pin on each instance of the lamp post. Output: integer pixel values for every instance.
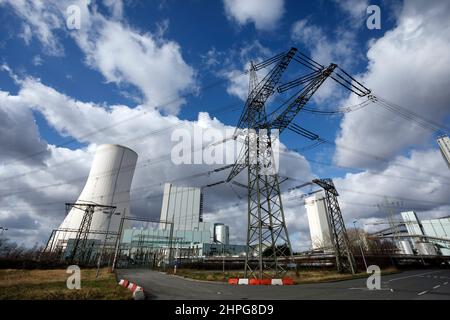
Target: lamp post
(359, 241)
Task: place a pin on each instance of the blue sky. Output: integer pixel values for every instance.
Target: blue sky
(198, 26)
(116, 59)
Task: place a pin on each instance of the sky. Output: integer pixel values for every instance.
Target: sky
(136, 70)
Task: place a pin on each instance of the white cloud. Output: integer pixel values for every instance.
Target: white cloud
(39, 22)
(63, 170)
(232, 65)
(123, 55)
(413, 189)
(356, 8)
(116, 7)
(265, 14)
(19, 134)
(155, 66)
(37, 60)
(26, 34)
(409, 66)
(340, 47)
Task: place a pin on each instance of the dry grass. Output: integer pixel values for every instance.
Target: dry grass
(51, 285)
(310, 276)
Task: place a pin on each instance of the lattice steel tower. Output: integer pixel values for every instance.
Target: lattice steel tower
(345, 261)
(268, 245)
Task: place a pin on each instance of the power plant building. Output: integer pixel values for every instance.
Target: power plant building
(444, 145)
(436, 229)
(184, 207)
(221, 233)
(319, 227)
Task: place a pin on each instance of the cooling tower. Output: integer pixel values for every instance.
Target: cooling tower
(109, 184)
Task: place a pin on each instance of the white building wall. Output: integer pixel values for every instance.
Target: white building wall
(412, 223)
(444, 145)
(109, 184)
(319, 228)
(182, 205)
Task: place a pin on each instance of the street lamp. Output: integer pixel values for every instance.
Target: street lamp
(359, 241)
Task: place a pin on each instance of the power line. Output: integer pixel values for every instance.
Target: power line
(384, 196)
(410, 115)
(145, 163)
(362, 153)
(141, 138)
(113, 125)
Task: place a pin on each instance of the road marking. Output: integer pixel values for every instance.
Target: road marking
(421, 293)
(381, 289)
(445, 283)
(412, 276)
(435, 287)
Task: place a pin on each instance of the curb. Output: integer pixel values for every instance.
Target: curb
(138, 292)
(252, 282)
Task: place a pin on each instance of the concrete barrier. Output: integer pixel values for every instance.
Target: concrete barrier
(253, 282)
(138, 292)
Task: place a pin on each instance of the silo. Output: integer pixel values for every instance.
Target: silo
(109, 184)
(221, 233)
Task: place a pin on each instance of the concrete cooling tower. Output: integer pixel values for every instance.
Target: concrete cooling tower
(108, 184)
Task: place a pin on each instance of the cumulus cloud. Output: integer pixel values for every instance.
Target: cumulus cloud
(340, 47)
(408, 66)
(416, 190)
(355, 8)
(15, 117)
(123, 55)
(153, 65)
(40, 23)
(40, 192)
(265, 14)
(233, 64)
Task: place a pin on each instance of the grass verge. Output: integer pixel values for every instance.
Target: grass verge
(51, 285)
(303, 277)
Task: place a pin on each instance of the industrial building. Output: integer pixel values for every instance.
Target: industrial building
(421, 237)
(181, 230)
(108, 185)
(432, 229)
(184, 207)
(319, 227)
(221, 233)
(444, 146)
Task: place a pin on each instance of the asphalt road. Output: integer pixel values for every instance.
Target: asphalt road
(417, 285)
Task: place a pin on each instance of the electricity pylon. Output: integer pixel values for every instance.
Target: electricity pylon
(345, 261)
(268, 245)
